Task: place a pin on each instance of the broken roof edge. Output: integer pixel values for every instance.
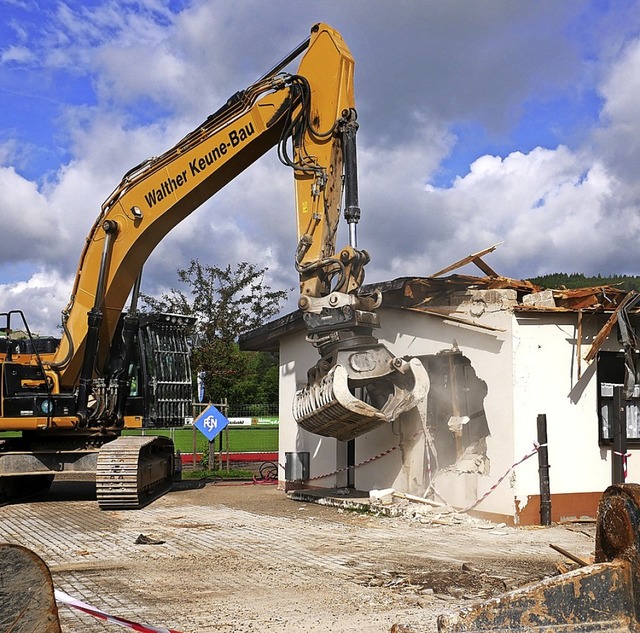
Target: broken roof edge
(417, 292)
(266, 338)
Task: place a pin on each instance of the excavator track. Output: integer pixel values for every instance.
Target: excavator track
(132, 471)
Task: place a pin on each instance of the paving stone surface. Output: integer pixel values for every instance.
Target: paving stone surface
(247, 559)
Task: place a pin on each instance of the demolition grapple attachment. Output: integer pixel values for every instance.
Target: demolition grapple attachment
(358, 384)
(329, 407)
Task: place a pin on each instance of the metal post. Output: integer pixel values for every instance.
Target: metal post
(225, 410)
(619, 430)
(351, 463)
(212, 455)
(195, 438)
(226, 442)
(543, 471)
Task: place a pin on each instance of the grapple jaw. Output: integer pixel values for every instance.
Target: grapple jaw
(363, 389)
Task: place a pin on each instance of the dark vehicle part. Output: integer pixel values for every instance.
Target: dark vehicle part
(27, 602)
(604, 596)
(156, 373)
(160, 374)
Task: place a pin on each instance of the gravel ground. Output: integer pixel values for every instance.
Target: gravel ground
(245, 558)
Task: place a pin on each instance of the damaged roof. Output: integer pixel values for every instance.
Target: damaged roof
(434, 293)
(421, 291)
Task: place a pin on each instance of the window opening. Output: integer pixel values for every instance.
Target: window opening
(611, 374)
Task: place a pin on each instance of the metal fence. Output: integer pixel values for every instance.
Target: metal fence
(247, 442)
(236, 447)
(252, 410)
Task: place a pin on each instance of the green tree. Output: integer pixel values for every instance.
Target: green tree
(579, 280)
(226, 302)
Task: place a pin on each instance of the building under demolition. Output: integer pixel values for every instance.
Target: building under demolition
(499, 353)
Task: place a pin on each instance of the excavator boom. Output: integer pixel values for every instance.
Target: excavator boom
(83, 388)
(313, 111)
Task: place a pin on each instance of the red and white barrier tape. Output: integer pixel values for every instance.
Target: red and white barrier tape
(366, 461)
(64, 598)
(536, 448)
(625, 457)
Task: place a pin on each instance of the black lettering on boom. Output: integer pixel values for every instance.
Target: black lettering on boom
(199, 165)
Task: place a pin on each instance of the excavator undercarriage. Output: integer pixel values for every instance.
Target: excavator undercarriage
(130, 470)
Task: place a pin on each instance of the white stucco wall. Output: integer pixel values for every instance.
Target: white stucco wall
(529, 364)
(296, 357)
(406, 468)
(546, 382)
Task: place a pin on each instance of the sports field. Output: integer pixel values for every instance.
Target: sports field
(237, 439)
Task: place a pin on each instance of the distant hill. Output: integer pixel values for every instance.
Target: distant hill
(578, 280)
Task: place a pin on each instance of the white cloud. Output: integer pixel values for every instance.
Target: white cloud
(17, 54)
(41, 299)
(420, 68)
(28, 228)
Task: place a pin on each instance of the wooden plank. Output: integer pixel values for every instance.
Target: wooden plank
(579, 345)
(469, 259)
(602, 335)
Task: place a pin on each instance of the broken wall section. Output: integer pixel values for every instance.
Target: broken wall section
(464, 439)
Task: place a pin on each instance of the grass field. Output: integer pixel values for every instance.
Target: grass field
(240, 439)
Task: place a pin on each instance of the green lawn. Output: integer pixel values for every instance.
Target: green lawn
(239, 439)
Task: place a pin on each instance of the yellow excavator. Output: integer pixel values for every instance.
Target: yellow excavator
(115, 368)
(112, 370)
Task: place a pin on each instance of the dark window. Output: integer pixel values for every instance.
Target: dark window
(611, 376)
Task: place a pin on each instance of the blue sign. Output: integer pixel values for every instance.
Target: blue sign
(210, 422)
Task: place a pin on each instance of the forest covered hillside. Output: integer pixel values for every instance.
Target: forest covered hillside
(578, 280)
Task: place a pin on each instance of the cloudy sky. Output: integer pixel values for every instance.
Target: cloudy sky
(481, 121)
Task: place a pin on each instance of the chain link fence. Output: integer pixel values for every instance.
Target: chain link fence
(248, 442)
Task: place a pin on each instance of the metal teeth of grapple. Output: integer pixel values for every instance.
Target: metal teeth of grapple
(328, 408)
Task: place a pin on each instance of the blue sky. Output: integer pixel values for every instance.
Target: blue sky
(481, 121)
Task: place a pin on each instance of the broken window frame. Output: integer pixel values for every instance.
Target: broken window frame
(609, 376)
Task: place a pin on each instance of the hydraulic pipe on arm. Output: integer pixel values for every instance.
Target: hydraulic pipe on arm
(351, 203)
(130, 325)
(340, 319)
(94, 321)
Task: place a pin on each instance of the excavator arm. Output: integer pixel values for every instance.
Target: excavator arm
(311, 117)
